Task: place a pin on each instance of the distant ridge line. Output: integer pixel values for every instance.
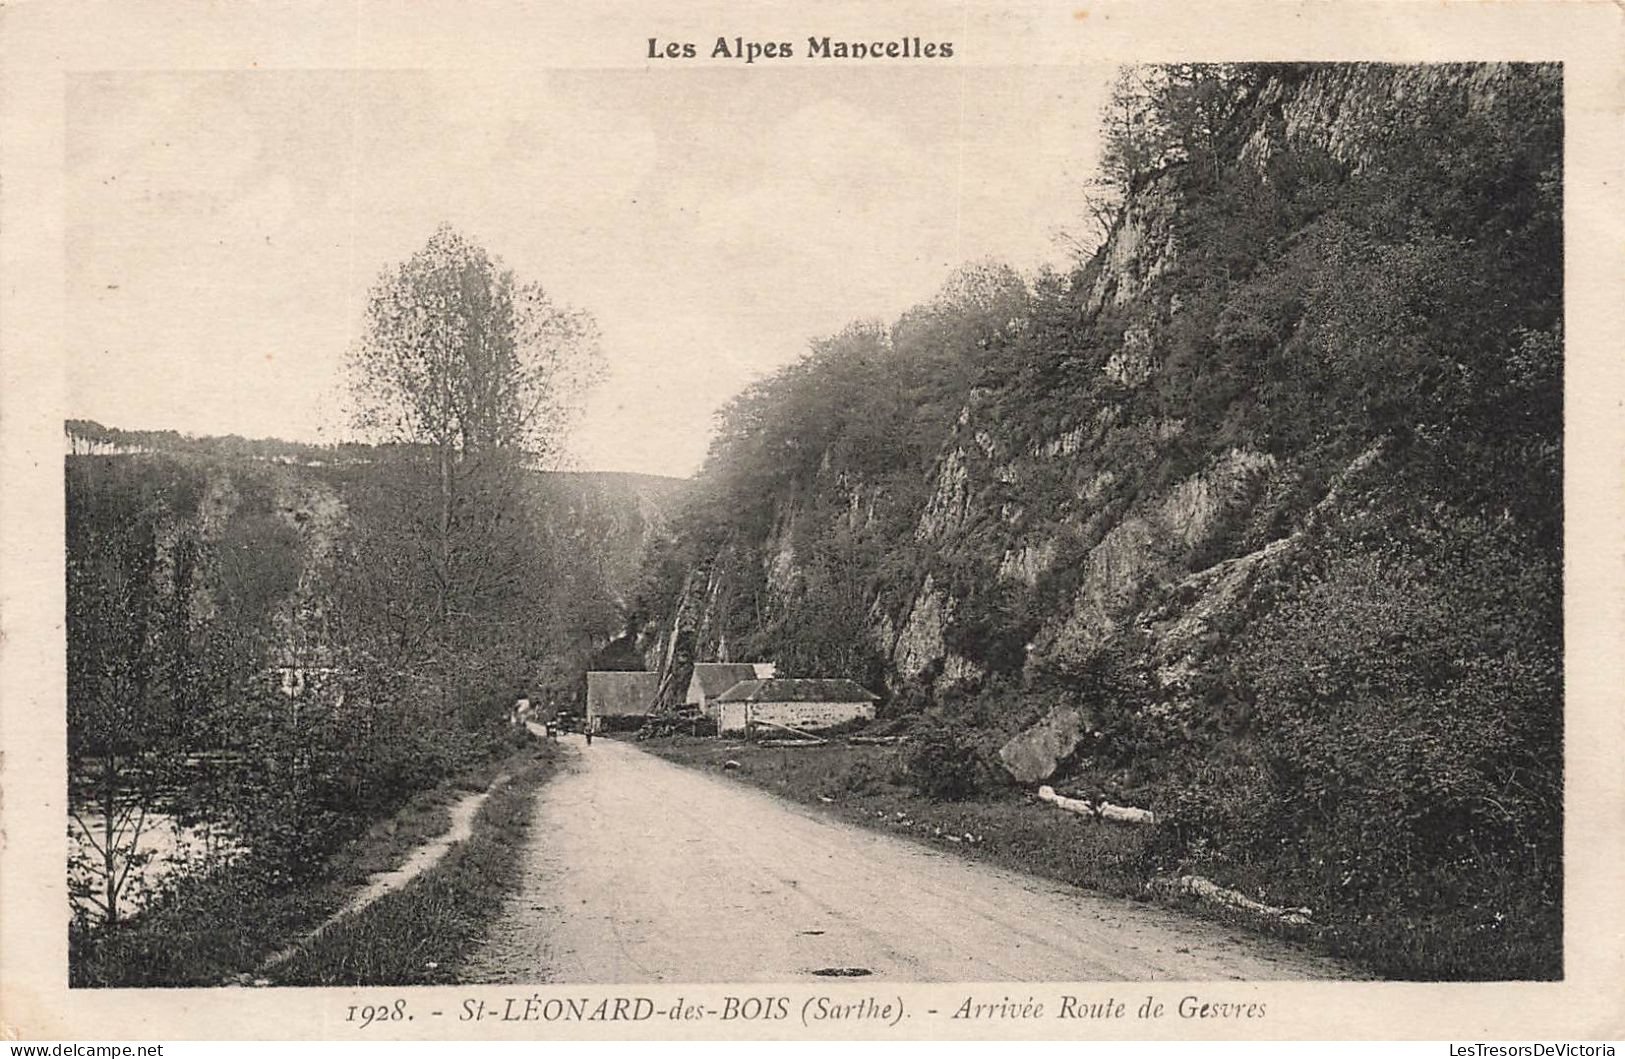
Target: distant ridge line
(86, 437)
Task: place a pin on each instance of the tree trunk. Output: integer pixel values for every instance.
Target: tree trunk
(443, 582)
(109, 860)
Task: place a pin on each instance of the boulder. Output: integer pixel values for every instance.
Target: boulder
(1034, 754)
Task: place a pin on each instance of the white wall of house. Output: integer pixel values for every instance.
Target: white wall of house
(695, 696)
(731, 716)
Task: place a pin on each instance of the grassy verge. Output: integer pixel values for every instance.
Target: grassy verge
(420, 934)
(220, 928)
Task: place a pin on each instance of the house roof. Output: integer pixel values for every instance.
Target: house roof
(621, 693)
(717, 677)
(797, 690)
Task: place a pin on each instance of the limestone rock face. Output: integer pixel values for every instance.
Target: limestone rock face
(1034, 754)
(950, 501)
(1146, 547)
(920, 642)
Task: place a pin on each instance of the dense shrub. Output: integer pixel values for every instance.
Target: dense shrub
(1401, 706)
(946, 763)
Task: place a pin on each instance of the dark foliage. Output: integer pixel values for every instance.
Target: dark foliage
(946, 763)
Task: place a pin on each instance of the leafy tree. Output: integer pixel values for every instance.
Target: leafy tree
(1133, 139)
(1156, 115)
(476, 376)
(462, 357)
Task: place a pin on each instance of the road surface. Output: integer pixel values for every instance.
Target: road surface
(644, 871)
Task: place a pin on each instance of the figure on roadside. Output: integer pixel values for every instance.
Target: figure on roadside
(520, 713)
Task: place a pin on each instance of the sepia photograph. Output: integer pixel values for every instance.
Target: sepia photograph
(878, 519)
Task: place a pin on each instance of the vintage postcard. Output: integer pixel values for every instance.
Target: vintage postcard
(870, 521)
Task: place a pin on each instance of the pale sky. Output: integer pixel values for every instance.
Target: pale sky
(224, 228)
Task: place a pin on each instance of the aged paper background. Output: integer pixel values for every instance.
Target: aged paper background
(44, 42)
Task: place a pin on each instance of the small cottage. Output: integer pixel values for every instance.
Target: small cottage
(620, 699)
(711, 679)
(801, 704)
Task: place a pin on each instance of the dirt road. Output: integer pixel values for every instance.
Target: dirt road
(644, 871)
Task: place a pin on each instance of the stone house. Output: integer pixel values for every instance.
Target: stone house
(804, 704)
(620, 699)
(711, 679)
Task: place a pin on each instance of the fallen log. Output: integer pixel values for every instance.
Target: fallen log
(797, 736)
(1061, 801)
(1208, 890)
(1103, 810)
(1124, 814)
(876, 740)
